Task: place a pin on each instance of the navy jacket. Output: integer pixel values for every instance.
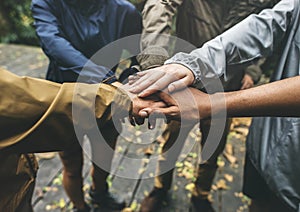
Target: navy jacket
(72, 31)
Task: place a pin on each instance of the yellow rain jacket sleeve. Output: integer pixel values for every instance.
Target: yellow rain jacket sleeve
(38, 116)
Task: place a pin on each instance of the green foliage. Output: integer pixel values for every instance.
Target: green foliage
(18, 21)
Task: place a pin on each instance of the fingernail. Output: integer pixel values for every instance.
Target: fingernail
(141, 94)
(171, 88)
(143, 114)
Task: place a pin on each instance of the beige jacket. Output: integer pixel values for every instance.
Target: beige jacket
(197, 21)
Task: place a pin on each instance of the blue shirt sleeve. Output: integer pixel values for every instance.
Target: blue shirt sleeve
(59, 49)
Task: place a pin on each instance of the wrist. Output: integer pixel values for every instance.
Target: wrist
(216, 105)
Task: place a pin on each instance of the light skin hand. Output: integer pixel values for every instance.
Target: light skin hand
(171, 77)
(247, 82)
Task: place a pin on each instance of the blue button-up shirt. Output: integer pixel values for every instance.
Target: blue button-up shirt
(72, 31)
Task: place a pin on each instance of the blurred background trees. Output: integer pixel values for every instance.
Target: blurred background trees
(16, 23)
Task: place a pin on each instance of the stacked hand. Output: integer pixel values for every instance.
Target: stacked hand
(137, 115)
(171, 77)
(164, 91)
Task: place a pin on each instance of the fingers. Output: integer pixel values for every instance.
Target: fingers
(247, 82)
(158, 85)
(247, 85)
(139, 120)
(178, 85)
(147, 82)
(151, 118)
(138, 116)
(135, 80)
(166, 98)
(135, 77)
(134, 120)
(171, 112)
(173, 76)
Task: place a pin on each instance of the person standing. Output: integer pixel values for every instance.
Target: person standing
(70, 33)
(272, 168)
(34, 108)
(197, 21)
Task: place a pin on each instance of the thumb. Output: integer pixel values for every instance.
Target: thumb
(168, 112)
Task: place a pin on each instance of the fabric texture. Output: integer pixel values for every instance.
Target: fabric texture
(44, 110)
(81, 28)
(273, 143)
(197, 22)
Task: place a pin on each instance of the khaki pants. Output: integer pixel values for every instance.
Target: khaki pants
(73, 158)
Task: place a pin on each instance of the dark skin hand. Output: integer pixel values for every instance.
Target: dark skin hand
(138, 104)
(182, 106)
(280, 98)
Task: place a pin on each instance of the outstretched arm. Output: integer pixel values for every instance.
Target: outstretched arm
(255, 37)
(38, 115)
(280, 98)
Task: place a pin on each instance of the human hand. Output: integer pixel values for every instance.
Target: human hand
(138, 104)
(171, 76)
(187, 105)
(247, 82)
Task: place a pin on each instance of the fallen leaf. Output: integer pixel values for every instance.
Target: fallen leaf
(214, 187)
(230, 158)
(220, 162)
(149, 150)
(138, 133)
(134, 205)
(190, 187)
(221, 184)
(228, 177)
(62, 203)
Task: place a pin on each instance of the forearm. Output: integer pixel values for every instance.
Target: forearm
(157, 26)
(38, 115)
(279, 98)
(157, 20)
